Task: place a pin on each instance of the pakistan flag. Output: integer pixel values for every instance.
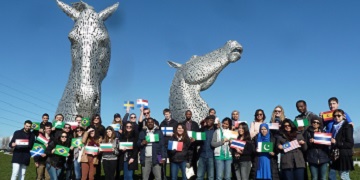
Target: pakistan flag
(265, 147)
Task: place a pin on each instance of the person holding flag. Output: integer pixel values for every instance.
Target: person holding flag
(242, 158)
(152, 150)
(57, 153)
(180, 155)
(89, 161)
(117, 120)
(57, 126)
(22, 142)
(222, 153)
(96, 122)
(145, 111)
(45, 121)
(128, 156)
(40, 161)
(265, 161)
(292, 162)
(259, 119)
(316, 154)
(110, 157)
(79, 131)
(278, 115)
(235, 117)
(132, 117)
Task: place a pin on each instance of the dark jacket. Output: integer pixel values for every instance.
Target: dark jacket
(55, 160)
(133, 153)
(40, 158)
(345, 143)
(273, 161)
(193, 145)
(248, 152)
(142, 125)
(42, 126)
(181, 156)
(172, 123)
(158, 148)
(310, 116)
(316, 153)
(101, 130)
(21, 154)
(294, 156)
(206, 150)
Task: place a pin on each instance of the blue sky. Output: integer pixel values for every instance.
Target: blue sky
(292, 50)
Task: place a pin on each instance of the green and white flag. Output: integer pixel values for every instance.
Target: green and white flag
(200, 136)
(126, 145)
(301, 122)
(58, 124)
(152, 138)
(265, 147)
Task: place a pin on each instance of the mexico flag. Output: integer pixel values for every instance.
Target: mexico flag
(42, 139)
(126, 145)
(106, 147)
(197, 135)
(152, 138)
(91, 150)
(175, 145)
(264, 147)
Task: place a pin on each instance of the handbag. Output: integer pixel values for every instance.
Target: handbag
(335, 154)
(189, 172)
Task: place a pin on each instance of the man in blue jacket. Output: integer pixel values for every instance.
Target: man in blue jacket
(22, 142)
(152, 152)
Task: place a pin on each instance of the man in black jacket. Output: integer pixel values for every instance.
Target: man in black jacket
(44, 122)
(22, 142)
(142, 122)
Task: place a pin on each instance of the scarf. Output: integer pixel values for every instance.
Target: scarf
(336, 128)
(263, 167)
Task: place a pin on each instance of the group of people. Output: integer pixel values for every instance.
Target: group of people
(205, 147)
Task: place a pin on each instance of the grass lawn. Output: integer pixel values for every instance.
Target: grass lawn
(5, 170)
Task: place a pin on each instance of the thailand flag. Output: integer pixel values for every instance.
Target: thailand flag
(175, 145)
(142, 103)
(167, 131)
(290, 146)
(322, 138)
(238, 144)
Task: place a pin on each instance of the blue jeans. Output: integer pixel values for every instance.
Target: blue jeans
(67, 168)
(318, 171)
(128, 174)
(205, 165)
(53, 172)
(332, 174)
(223, 169)
(295, 173)
(77, 170)
(344, 175)
(175, 169)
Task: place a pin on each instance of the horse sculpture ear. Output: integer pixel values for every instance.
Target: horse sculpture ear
(174, 64)
(104, 14)
(68, 10)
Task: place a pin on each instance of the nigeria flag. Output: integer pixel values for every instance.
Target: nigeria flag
(265, 147)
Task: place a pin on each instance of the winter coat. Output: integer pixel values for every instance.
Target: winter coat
(172, 123)
(292, 157)
(55, 160)
(21, 154)
(345, 143)
(316, 153)
(248, 152)
(86, 141)
(131, 153)
(181, 156)
(158, 148)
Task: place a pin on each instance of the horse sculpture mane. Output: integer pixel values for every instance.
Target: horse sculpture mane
(90, 51)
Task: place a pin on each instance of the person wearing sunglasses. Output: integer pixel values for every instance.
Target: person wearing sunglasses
(55, 163)
(89, 162)
(145, 112)
(79, 131)
(292, 162)
(278, 115)
(259, 119)
(130, 118)
(316, 154)
(129, 156)
(342, 141)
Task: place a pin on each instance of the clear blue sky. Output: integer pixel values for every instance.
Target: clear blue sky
(292, 50)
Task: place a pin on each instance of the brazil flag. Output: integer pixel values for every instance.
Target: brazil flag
(62, 150)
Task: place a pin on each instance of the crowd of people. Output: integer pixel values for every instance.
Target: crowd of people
(206, 148)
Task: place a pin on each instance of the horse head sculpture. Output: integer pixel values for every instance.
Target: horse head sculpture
(90, 51)
(196, 75)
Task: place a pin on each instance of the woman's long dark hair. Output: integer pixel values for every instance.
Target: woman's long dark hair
(127, 134)
(229, 122)
(184, 136)
(107, 138)
(293, 132)
(96, 136)
(66, 143)
(247, 136)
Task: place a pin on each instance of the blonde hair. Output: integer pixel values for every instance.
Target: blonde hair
(282, 114)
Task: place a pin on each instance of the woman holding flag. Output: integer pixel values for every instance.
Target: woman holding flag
(265, 161)
(128, 151)
(342, 144)
(57, 151)
(78, 132)
(259, 119)
(180, 155)
(242, 156)
(89, 158)
(110, 151)
(222, 153)
(317, 153)
(291, 144)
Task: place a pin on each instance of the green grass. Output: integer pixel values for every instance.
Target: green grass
(5, 170)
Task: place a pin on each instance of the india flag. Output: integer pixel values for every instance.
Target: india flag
(91, 150)
(41, 138)
(230, 134)
(73, 125)
(322, 138)
(265, 147)
(175, 145)
(152, 138)
(301, 122)
(126, 145)
(106, 147)
(22, 142)
(197, 135)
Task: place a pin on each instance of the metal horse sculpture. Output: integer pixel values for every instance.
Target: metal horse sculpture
(90, 50)
(196, 75)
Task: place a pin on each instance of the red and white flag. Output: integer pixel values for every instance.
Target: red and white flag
(274, 126)
(238, 144)
(290, 146)
(73, 125)
(322, 138)
(142, 102)
(22, 142)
